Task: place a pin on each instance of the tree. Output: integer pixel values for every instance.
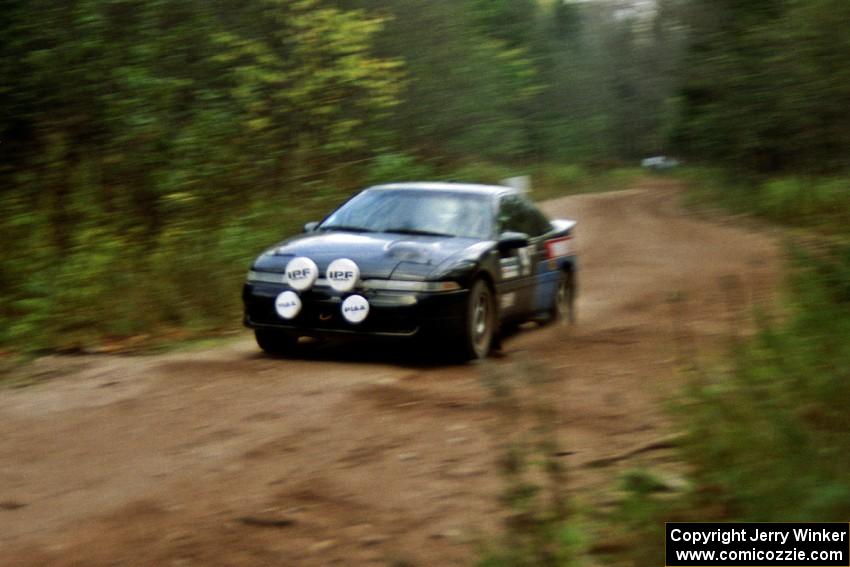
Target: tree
(764, 83)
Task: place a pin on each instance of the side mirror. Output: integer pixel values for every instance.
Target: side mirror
(311, 226)
(512, 240)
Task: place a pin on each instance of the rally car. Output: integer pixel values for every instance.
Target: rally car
(450, 262)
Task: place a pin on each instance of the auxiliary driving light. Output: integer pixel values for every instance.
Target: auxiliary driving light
(288, 305)
(355, 309)
(301, 273)
(342, 274)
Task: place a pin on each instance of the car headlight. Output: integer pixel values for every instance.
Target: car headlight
(401, 285)
(266, 277)
(255, 276)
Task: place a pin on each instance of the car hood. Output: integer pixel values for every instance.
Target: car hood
(378, 255)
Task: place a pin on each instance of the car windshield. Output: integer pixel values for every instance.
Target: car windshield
(415, 211)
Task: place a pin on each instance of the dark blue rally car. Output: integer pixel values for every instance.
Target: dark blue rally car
(450, 262)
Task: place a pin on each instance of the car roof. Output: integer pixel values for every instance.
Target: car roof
(448, 186)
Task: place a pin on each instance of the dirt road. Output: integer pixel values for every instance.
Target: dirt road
(360, 457)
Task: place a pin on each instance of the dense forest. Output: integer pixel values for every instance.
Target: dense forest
(150, 148)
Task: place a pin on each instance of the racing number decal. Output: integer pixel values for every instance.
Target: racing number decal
(525, 260)
(510, 270)
(519, 265)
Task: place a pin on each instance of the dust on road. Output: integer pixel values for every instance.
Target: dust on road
(359, 457)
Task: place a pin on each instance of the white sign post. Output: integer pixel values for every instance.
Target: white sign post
(521, 183)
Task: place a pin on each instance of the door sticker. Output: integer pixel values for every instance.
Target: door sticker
(525, 260)
(510, 268)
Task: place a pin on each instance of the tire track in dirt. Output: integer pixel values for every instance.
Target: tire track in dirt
(353, 455)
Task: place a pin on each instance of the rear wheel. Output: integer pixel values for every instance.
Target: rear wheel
(479, 322)
(564, 305)
(275, 343)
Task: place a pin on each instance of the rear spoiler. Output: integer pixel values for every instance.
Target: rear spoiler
(564, 224)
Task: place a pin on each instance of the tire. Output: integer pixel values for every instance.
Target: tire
(563, 308)
(275, 343)
(479, 325)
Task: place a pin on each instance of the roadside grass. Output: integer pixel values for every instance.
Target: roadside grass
(766, 425)
(763, 429)
(109, 286)
(817, 203)
(540, 527)
(777, 417)
(766, 431)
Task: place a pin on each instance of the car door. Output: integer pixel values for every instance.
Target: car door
(519, 266)
(546, 270)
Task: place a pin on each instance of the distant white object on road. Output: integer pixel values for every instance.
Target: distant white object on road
(659, 163)
(520, 183)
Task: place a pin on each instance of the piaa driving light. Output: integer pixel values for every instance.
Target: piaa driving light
(355, 309)
(288, 305)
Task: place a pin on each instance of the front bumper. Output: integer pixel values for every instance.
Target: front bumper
(391, 313)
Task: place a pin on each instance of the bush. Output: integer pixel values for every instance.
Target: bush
(482, 172)
(821, 203)
(780, 199)
(389, 167)
(570, 175)
(778, 420)
(767, 436)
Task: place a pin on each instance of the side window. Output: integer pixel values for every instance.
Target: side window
(510, 215)
(536, 222)
(518, 214)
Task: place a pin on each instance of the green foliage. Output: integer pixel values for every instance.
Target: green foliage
(387, 167)
(806, 201)
(767, 430)
(572, 175)
(608, 72)
(510, 21)
(778, 420)
(139, 133)
(539, 531)
(821, 203)
(765, 85)
(139, 138)
(555, 180)
(483, 172)
(468, 91)
(307, 81)
(766, 433)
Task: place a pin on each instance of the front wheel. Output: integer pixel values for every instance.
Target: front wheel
(275, 343)
(479, 322)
